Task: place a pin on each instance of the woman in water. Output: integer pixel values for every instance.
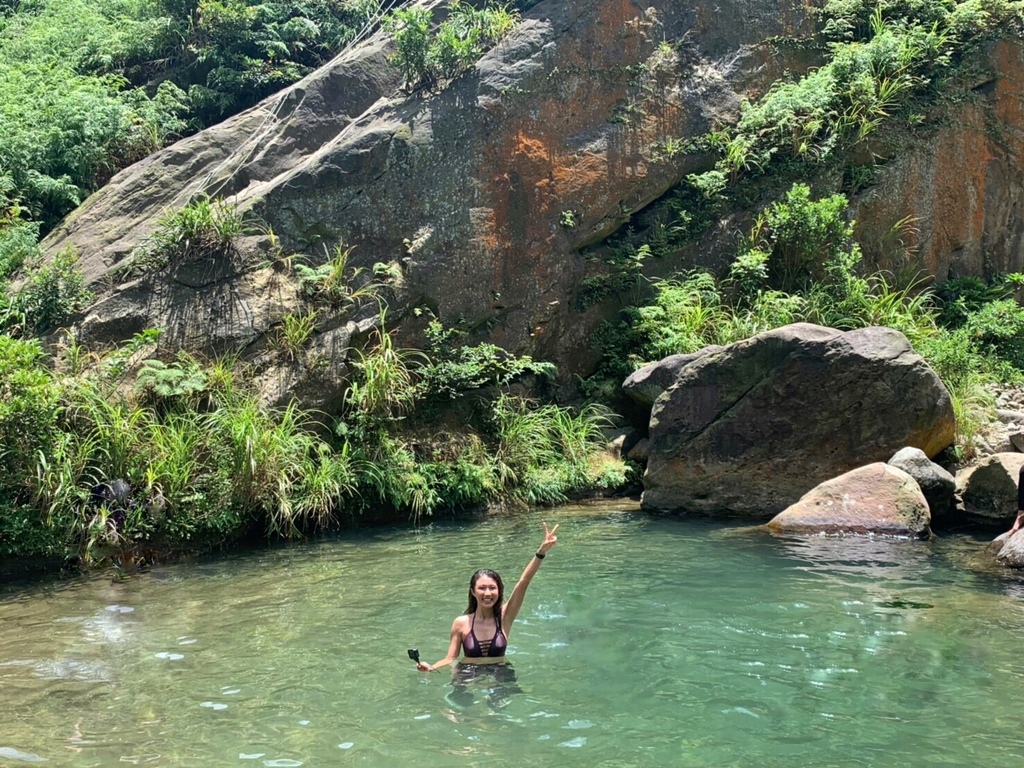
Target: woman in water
(482, 631)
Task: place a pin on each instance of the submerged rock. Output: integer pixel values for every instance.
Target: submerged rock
(750, 429)
(878, 498)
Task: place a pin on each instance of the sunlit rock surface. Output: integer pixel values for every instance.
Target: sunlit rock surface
(750, 429)
(467, 187)
(878, 499)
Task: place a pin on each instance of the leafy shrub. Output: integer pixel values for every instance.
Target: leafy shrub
(806, 241)
(29, 407)
(458, 42)
(233, 53)
(19, 243)
(51, 294)
(410, 27)
(748, 274)
(159, 381)
(999, 328)
(453, 368)
(960, 296)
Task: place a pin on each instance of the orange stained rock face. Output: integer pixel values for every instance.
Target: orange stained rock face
(1010, 86)
(961, 185)
(537, 165)
(958, 189)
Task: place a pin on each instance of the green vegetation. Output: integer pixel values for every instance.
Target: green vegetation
(883, 66)
(207, 463)
(800, 263)
(455, 369)
(880, 58)
(295, 332)
(336, 282)
(50, 295)
(115, 456)
(202, 228)
(88, 87)
(429, 57)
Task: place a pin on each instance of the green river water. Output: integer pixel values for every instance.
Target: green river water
(643, 642)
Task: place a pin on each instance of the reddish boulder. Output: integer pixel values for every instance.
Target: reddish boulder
(878, 498)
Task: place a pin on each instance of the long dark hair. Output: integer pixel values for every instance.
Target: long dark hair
(471, 608)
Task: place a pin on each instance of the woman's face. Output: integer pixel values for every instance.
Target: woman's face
(486, 592)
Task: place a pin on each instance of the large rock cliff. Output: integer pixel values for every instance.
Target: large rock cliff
(959, 185)
(468, 187)
(486, 191)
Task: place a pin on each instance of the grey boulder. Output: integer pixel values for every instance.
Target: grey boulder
(750, 429)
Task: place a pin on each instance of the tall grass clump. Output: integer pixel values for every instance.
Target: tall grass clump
(544, 451)
(969, 378)
(204, 227)
(295, 331)
(336, 281)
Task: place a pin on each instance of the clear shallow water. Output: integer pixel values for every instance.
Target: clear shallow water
(643, 642)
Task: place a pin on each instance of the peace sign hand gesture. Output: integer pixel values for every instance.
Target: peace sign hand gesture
(549, 539)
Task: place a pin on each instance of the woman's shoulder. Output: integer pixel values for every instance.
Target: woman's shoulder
(461, 622)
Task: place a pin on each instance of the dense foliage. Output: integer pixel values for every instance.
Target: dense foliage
(90, 86)
(206, 462)
(428, 56)
(800, 263)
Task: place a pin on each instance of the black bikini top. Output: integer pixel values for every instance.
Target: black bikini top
(475, 648)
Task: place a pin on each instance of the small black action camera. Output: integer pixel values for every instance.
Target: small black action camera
(414, 654)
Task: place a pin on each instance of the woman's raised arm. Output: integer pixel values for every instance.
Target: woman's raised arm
(515, 601)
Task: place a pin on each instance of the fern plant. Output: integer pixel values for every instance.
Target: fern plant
(334, 281)
(161, 381)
